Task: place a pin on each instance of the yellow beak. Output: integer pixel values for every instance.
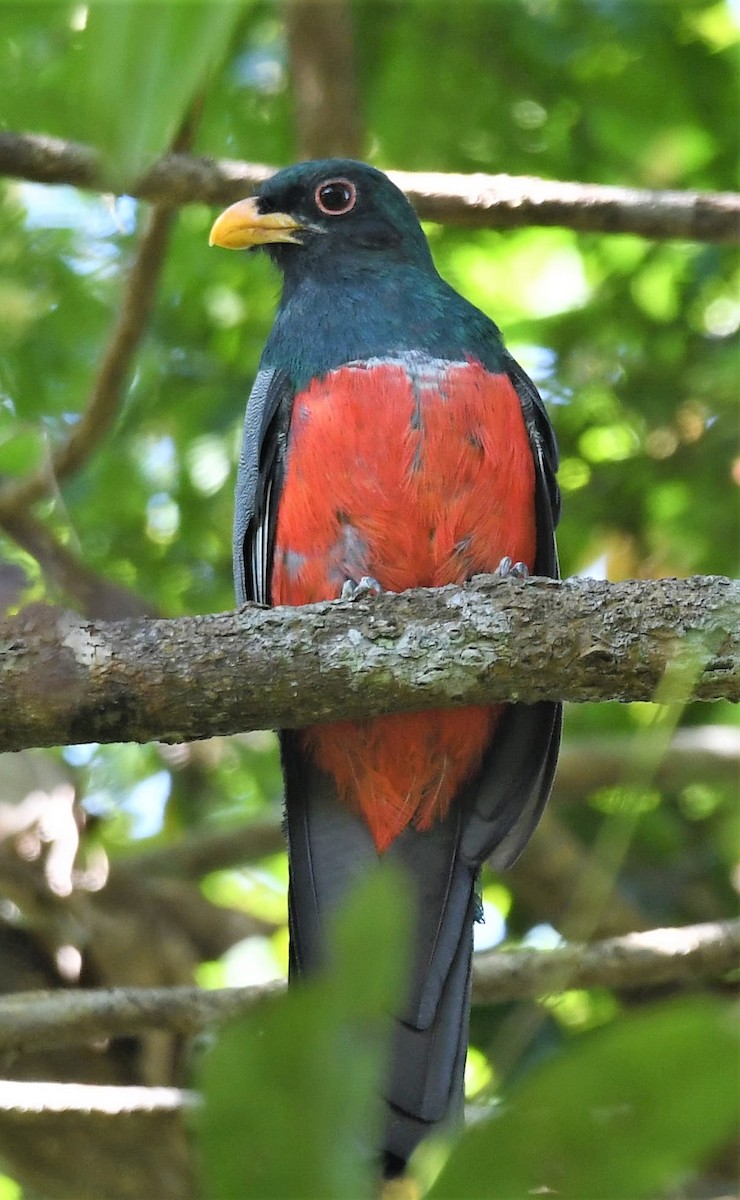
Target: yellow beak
(243, 225)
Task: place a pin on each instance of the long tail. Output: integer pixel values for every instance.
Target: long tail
(329, 848)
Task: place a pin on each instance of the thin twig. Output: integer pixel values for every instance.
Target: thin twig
(91, 594)
(474, 201)
(44, 1020)
(128, 329)
(104, 400)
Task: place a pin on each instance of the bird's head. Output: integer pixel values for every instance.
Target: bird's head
(319, 215)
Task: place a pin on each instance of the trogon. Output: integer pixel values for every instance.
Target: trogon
(392, 442)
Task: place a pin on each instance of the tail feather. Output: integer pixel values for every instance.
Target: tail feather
(330, 847)
(508, 849)
(439, 1054)
(424, 1062)
(442, 885)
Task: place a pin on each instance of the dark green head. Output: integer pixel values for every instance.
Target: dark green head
(359, 280)
(332, 215)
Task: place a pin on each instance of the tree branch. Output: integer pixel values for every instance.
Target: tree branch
(473, 201)
(92, 1140)
(510, 201)
(706, 753)
(127, 331)
(92, 594)
(45, 1020)
(102, 406)
(68, 680)
(32, 1097)
(651, 958)
(324, 77)
(196, 855)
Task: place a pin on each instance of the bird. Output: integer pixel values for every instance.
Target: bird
(392, 442)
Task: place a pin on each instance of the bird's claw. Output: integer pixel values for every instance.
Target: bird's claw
(508, 569)
(367, 586)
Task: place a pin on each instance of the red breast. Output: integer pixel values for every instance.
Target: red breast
(419, 473)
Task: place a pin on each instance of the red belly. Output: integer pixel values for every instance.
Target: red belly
(419, 476)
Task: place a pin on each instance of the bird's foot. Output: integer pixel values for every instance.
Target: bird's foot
(367, 586)
(508, 569)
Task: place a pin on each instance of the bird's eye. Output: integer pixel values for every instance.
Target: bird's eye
(335, 197)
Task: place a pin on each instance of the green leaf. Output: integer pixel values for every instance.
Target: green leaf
(142, 65)
(293, 1092)
(21, 452)
(119, 75)
(625, 1113)
(9, 1189)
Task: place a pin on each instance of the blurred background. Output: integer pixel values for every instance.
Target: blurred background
(159, 864)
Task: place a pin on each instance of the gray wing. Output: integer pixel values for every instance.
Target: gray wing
(258, 483)
(545, 453)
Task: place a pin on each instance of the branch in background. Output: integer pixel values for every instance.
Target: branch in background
(509, 201)
(102, 406)
(44, 1020)
(66, 680)
(322, 66)
(652, 958)
(103, 1100)
(194, 856)
(708, 754)
(97, 597)
(87, 1141)
(92, 594)
(545, 879)
(128, 329)
(474, 201)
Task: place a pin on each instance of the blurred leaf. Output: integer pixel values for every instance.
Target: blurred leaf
(141, 65)
(627, 800)
(292, 1092)
(118, 75)
(9, 1189)
(21, 452)
(626, 1113)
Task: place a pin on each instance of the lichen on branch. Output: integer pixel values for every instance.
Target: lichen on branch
(64, 679)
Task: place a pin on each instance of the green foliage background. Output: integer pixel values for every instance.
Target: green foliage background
(632, 343)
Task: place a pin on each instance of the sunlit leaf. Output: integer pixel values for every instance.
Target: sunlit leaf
(119, 75)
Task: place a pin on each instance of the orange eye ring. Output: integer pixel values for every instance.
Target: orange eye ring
(335, 197)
